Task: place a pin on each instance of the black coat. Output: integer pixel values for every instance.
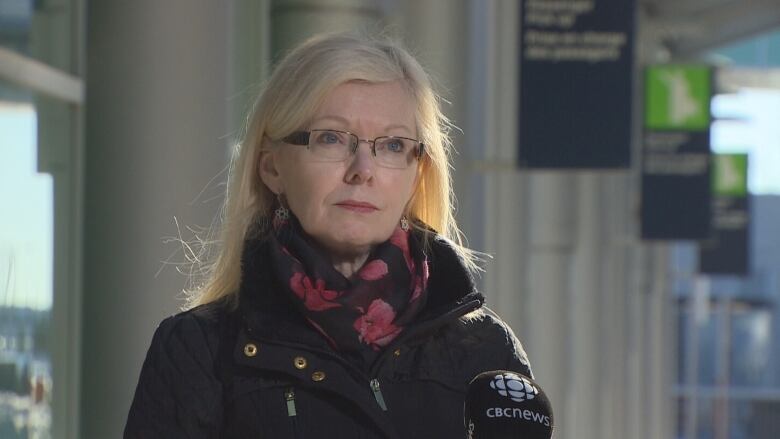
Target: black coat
(260, 371)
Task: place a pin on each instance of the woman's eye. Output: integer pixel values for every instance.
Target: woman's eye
(329, 138)
(395, 145)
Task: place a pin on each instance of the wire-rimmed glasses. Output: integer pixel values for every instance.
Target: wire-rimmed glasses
(336, 146)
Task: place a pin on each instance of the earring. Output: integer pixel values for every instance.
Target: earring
(281, 214)
(404, 224)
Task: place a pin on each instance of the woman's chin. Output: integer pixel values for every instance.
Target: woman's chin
(350, 237)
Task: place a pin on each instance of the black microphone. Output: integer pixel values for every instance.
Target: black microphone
(507, 405)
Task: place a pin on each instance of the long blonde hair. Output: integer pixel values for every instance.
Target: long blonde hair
(296, 88)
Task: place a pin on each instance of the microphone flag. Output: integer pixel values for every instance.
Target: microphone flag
(501, 404)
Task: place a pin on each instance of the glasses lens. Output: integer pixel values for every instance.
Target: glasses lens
(330, 145)
(395, 152)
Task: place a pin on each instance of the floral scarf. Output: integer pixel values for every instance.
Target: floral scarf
(362, 314)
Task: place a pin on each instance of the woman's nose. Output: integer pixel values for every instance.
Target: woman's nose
(362, 165)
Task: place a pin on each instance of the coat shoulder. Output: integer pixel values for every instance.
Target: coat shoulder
(179, 390)
(490, 341)
(191, 331)
(204, 323)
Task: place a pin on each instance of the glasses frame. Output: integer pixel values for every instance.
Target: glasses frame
(302, 138)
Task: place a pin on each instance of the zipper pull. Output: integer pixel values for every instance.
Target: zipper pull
(378, 394)
(289, 396)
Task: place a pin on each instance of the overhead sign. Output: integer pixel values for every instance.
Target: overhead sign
(676, 188)
(727, 250)
(576, 74)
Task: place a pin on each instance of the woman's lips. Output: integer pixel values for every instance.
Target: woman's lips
(357, 206)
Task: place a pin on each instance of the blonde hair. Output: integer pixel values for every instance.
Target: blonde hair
(296, 88)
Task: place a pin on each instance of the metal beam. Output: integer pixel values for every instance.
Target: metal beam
(39, 77)
(675, 8)
(715, 26)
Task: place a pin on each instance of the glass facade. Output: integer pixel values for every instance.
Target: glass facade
(728, 349)
(26, 265)
(728, 343)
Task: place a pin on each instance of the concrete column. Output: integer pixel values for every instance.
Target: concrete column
(635, 317)
(545, 314)
(614, 265)
(292, 21)
(581, 408)
(156, 126)
(661, 350)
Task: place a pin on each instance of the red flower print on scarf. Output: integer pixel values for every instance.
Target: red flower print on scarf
(376, 327)
(315, 297)
(374, 270)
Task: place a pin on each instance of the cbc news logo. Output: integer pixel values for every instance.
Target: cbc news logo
(514, 387)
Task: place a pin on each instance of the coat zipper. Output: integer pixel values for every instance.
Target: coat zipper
(292, 413)
(289, 396)
(378, 394)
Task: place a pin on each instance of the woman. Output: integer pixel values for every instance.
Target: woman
(339, 305)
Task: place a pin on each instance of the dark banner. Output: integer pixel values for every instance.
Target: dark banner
(727, 251)
(676, 188)
(576, 70)
(676, 201)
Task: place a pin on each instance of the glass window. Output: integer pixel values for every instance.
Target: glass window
(750, 348)
(26, 261)
(708, 367)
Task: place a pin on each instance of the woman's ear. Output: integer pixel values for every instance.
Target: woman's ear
(267, 168)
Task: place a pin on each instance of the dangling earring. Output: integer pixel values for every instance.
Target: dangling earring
(281, 214)
(404, 224)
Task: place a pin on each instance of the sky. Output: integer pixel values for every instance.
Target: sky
(750, 123)
(26, 217)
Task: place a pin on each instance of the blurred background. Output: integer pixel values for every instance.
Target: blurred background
(619, 159)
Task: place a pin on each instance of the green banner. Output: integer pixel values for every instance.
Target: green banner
(729, 175)
(677, 97)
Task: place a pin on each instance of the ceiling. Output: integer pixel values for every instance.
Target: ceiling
(685, 28)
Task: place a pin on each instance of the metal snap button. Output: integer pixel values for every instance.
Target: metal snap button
(318, 376)
(397, 352)
(250, 349)
(300, 363)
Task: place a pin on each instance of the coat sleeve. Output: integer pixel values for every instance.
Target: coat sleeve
(517, 359)
(178, 393)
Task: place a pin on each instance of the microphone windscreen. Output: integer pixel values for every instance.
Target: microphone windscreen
(501, 405)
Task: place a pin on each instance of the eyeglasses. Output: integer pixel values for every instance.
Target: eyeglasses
(336, 146)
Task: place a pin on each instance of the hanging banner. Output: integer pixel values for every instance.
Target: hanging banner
(676, 188)
(576, 70)
(728, 249)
